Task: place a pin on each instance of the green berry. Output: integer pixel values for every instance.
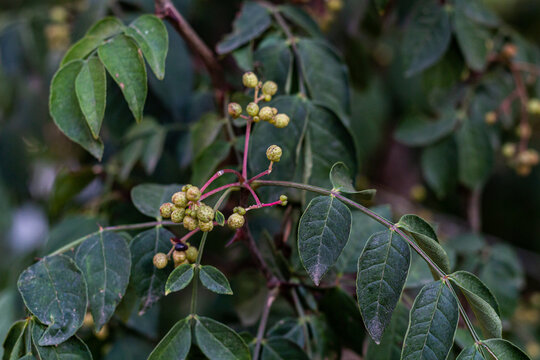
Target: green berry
(178, 257)
(267, 98)
(205, 213)
(206, 226)
(274, 110)
(166, 210)
(239, 210)
(256, 119)
(180, 199)
(281, 120)
(252, 109)
(191, 254)
(235, 110)
(193, 193)
(273, 153)
(266, 113)
(186, 187)
(236, 221)
(269, 88)
(160, 260)
(178, 215)
(250, 80)
(283, 199)
(190, 223)
(194, 210)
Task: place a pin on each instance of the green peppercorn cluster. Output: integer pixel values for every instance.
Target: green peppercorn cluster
(179, 257)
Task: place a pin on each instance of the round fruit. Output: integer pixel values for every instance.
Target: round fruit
(252, 109)
(180, 199)
(191, 254)
(281, 120)
(160, 260)
(193, 193)
(205, 213)
(236, 221)
(178, 256)
(250, 80)
(235, 110)
(273, 153)
(190, 223)
(206, 226)
(178, 215)
(269, 88)
(166, 210)
(180, 246)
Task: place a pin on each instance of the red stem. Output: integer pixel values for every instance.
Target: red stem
(264, 205)
(220, 173)
(253, 194)
(246, 149)
(216, 190)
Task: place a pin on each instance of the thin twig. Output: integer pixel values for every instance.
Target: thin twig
(264, 319)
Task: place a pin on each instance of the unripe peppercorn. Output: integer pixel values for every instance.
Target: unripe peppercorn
(206, 226)
(178, 257)
(269, 88)
(180, 246)
(274, 110)
(508, 150)
(266, 113)
(178, 215)
(490, 118)
(190, 223)
(160, 260)
(235, 110)
(281, 120)
(267, 98)
(533, 106)
(205, 213)
(284, 199)
(186, 187)
(191, 254)
(193, 193)
(236, 221)
(166, 210)
(239, 210)
(194, 210)
(250, 80)
(256, 119)
(180, 199)
(273, 153)
(252, 109)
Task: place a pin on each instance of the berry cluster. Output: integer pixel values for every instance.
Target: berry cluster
(187, 209)
(182, 253)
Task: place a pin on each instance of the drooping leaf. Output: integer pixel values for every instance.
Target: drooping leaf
(96, 35)
(66, 112)
(323, 232)
(482, 301)
(219, 342)
(326, 77)
(151, 35)
(440, 166)
(123, 60)
(214, 280)
(147, 198)
(475, 154)
(282, 349)
(149, 281)
(420, 131)
(251, 22)
(174, 345)
(179, 278)
(504, 349)
(426, 37)
(433, 323)
(382, 272)
(341, 179)
(14, 342)
(105, 262)
(390, 345)
(91, 89)
(54, 290)
(426, 238)
(473, 38)
(471, 352)
(72, 349)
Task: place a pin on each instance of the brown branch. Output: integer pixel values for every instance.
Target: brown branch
(474, 207)
(166, 9)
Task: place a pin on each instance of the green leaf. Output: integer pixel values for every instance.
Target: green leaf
(123, 60)
(149, 281)
(282, 349)
(205, 131)
(475, 154)
(147, 198)
(382, 272)
(301, 18)
(390, 345)
(96, 35)
(433, 323)
(105, 262)
(440, 166)
(91, 88)
(426, 238)
(252, 21)
(72, 349)
(504, 350)
(214, 280)
(323, 232)
(66, 112)
(151, 35)
(220, 218)
(208, 160)
(276, 62)
(176, 344)
(482, 301)
(471, 352)
(179, 278)
(421, 131)
(14, 342)
(288, 328)
(473, 38)
(326, 77)
(341, 179)
(54, 290)
(478, 11)
(218, 341)
(426, 37)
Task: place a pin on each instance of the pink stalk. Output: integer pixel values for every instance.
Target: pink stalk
(253, 194)
(220, 173)
(264, 205)
(265, 172)
(216, 190)
(246, 149)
